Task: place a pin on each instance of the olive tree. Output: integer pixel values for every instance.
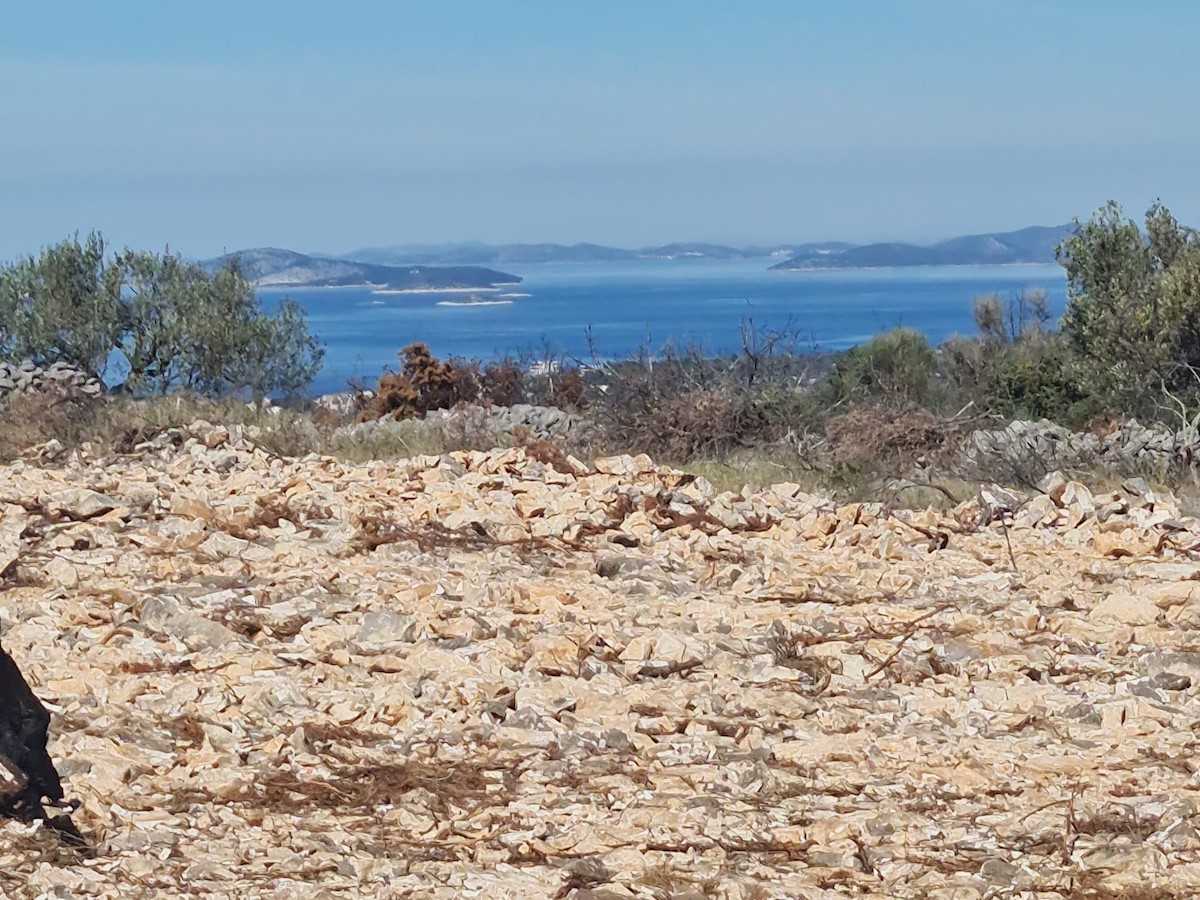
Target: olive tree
(1133, 307)
(175, 324)
(185, 327)
(62, 305)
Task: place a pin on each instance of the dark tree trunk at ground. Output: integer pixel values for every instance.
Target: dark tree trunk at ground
(27, 774)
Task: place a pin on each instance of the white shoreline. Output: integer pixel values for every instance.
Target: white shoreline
(473, 303)
(444, 290)
(1008, 265)
(380, 288)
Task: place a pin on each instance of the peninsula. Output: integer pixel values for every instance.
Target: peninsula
(1029, 245)
(268, 267)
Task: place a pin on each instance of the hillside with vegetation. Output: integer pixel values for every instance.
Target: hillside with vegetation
(1029, 245)
(267, 267)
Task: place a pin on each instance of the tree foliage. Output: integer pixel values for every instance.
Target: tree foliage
(173, 323)
(1133, 309)
(64, 305)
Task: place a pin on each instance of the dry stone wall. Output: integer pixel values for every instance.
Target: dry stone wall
(58, 377)
(542, 422)
(1130, 445)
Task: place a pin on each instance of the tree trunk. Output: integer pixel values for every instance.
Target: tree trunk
(27, 774)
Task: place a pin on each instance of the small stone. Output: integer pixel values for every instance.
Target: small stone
(1054, 484)
(1125, 609)
(1170, 681)
(81, 504)
(385, 626)
(998, 871)
(1136, 486)
(387, 664)
(165, 615)
(620, 566)
(62, 573)
(1116, 544)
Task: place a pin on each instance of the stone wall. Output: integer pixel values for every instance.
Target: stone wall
(543, 422)
(1132, 445)
(60, 377)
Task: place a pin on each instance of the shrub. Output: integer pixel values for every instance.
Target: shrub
(1031, 379)
(895, 367)
(501, 382)
(423, 383)
(678, 405)
(567, 390)
(883, 439)
(28, 420)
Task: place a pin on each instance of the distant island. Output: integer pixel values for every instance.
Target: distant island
(464, 266)
(532, 254)
(1029, 245)
(267, 267)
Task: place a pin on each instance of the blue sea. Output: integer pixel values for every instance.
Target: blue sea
(628, 305)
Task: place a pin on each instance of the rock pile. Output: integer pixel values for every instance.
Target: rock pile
(1131, 445)
(474, 675)
(542, 422)
(58, 377)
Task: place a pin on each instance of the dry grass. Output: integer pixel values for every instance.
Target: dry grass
(758, 469)
(754, 468)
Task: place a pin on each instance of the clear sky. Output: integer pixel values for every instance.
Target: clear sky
(325, 126)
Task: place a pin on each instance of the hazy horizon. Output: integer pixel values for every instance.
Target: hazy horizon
(223, 126)
(316, 251)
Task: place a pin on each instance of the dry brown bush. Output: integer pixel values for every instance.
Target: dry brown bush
(32, 419)
(423, 383)
(886, 438)
(501, 382)
(568, 390)
(671, 417)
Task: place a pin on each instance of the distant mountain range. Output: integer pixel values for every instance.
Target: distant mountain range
(267, 267)
(1029, 245)
(531, 254)
(464, 266)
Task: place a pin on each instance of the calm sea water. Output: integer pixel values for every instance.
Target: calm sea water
(627, 305)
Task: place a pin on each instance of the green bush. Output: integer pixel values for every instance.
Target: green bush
(895, 367)
(1030, 379)
(176, 325)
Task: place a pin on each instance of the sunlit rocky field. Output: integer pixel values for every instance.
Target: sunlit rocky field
(484, 675)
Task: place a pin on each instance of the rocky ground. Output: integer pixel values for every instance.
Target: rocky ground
(475, 675)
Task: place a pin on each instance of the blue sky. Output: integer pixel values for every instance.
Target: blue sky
(325, 127)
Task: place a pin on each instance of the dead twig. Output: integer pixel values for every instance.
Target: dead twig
(664, 670)
(913, 627)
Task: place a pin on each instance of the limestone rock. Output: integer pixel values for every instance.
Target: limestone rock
(81, 504)
(1126, 609)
